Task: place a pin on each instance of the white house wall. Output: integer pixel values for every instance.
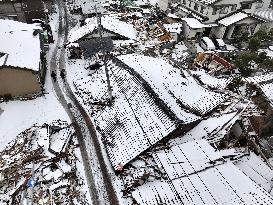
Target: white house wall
(189, 32)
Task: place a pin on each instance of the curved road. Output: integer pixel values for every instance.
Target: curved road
(82, 123)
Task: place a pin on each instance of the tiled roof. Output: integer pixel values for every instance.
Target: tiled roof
(266, 14)
(174, 86)
(196, 174)
(133, 122)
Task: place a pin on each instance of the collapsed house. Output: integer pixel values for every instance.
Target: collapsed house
(213, 64)
(174, 86)
(197, 174)
(133, 122)
(263, 84)
(150, 103)
(42, 165)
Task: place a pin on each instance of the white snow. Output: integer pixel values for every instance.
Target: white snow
(211, 180)
(227, 21)
(20, 115)
(111, 23)
(256, 169)
(173, 16)
(174, 86)
(195, 23)
(18, 41)
(213, 82)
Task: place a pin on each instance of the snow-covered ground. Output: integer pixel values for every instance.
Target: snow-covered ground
(20, 115)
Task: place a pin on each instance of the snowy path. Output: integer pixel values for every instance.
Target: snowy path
(85, 130)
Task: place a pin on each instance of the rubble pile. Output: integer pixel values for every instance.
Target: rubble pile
(40, 166)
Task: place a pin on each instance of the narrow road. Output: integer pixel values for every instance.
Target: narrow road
(84, 127)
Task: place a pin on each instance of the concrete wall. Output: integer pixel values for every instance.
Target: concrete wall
(18, 82)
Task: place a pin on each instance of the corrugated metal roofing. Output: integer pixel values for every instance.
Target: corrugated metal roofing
(208, 183)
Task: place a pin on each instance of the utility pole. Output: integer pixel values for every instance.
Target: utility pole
(109, 89)
(32, 188)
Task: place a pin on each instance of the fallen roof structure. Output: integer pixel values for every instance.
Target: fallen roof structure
(207, 2)
(174, 86)
(265, 83)
(211, 81)
(197, 174)
(214, 128)
(257, 170)
(133, 122)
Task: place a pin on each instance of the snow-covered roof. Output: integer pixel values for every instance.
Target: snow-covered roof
(208, 41)
(256, 169)
(173, 16)
(111, 23)
(213, 82)
(23, 48)
(233, 18)
(134, 122)
(266, 14)
(174, 27)
(195, 24)
(195, 156)
(197, 174)
(215, 127)
(175, 87)
(265, 83)
(259, 78)
(207, 2)
(208, 128)
(268, 91)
